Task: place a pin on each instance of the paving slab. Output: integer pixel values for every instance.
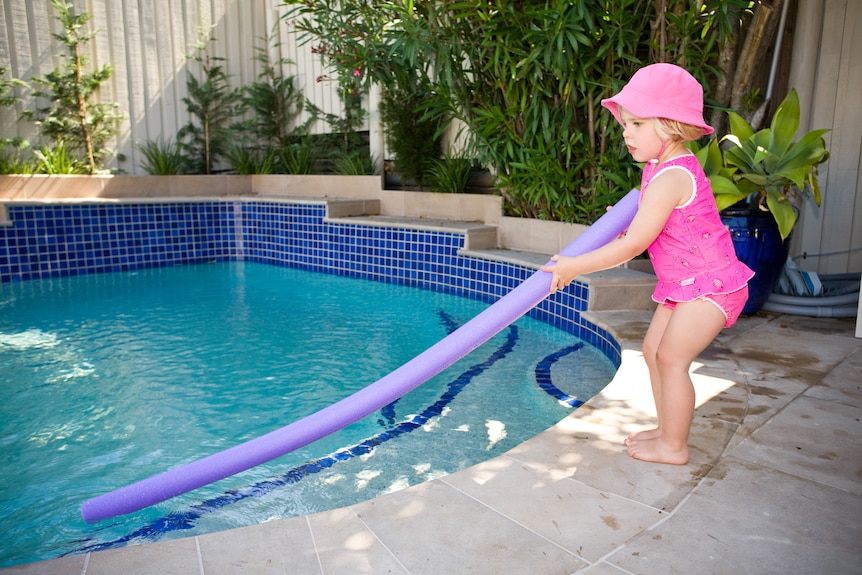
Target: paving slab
(433, 528)
(176, 557)
(812, 438)
(592, 523)
(280, 548)
(346, 546)
(745, 519)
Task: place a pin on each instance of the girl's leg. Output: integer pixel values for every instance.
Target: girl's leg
(691, 328)
(650, 346)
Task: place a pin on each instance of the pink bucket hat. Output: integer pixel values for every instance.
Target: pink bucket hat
(662, 91)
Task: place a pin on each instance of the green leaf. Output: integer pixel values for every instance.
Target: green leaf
(782, 211)
(739, 128)
(785, 123)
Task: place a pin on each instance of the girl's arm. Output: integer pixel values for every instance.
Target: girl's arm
(665, 192)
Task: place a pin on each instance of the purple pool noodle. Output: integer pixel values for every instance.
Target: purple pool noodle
(364, 402)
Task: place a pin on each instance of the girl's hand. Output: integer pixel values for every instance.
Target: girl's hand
(562, 271)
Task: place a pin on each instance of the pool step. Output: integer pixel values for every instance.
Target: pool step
(477, 236)
(621, 288)
(349, 207)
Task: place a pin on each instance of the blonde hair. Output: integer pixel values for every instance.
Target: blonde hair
(675, 130)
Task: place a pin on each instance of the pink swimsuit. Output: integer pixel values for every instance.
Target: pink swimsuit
(693, 257)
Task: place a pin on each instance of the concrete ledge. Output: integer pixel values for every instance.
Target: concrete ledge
(349, 207)
(620, 289)
(484, 208)
(40, 187)
(477, 236)
(462, 207)
(316, 185)
(537, 235)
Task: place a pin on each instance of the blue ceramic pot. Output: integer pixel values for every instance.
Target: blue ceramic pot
(758, 245)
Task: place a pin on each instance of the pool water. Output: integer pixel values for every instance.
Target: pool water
(111, 378)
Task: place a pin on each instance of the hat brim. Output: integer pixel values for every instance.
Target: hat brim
(642, 106)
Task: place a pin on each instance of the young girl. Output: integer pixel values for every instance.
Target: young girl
(702, 286)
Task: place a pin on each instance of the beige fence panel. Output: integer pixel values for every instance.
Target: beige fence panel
(148, 43)
(826, 72)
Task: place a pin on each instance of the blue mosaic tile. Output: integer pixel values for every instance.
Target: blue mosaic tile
(51, 241)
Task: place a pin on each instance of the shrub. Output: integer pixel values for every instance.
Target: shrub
(412, 137)
(72, 119)
(450, 174)
(161, 158)
(212, 104)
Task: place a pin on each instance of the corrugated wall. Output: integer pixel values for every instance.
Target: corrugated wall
(827, 72)
(147, 42)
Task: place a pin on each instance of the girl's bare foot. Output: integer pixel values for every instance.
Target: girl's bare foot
(658, 451)
(643, 435)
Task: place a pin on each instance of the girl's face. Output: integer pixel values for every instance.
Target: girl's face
(641, 138)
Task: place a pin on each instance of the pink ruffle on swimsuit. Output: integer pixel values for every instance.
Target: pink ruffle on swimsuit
(693, 256)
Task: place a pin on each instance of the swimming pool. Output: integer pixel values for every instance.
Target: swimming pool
(120, 376)
(52, 241)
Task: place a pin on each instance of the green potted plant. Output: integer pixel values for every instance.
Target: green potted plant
(759, 181)
(771, 168)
